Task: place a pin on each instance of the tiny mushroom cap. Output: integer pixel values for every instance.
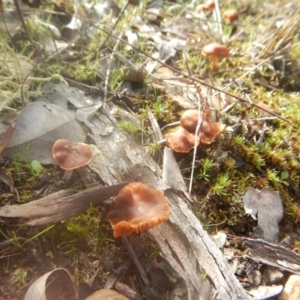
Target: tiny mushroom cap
(189, 120)
(230, 15)
(216, 51)
(70, 157)
(136, 208)
(180, 140)
(209, 130)
(209, 5)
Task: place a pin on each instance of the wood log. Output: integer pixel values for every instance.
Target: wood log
(183, 241)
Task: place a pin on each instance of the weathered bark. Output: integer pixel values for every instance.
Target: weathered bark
(272, 254)
(59, 206)
(183, 241)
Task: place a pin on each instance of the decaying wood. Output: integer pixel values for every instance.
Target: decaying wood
(183, 242)
(59, 206)
(272, 254)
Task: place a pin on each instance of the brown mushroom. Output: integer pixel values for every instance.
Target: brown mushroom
(70, 157)
(208, 130)
(180, 140)
(189, 120)
(136, 208)
(230, 15)
(215, 51)
(208, 5)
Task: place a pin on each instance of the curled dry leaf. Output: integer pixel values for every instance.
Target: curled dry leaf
(53, 285)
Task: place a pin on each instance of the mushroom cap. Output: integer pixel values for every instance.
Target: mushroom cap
(180, 140)
(189, 120)
(215, 49)
(136, 208)
(209, 5)
(70, 156)
(230, 15)
(208, 130)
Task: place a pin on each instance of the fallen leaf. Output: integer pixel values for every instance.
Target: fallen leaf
(267, 206)
(53, 285)
(38, 126)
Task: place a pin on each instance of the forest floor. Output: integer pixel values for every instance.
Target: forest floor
(137, 57)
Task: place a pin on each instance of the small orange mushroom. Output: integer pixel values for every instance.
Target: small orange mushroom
(189, 120)
(136, 208)
(208, 130)
(208, 5)
(180, 140)
(215, 51)
(70, 157)
(230, 15)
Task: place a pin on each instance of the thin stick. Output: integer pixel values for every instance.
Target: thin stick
(136, 261)
(199, 124)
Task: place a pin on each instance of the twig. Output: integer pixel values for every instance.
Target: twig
(33, 44)
(199, 124)
(136, 261)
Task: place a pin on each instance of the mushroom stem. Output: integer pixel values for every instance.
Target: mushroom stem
(213, 64)
(136, 261)
(67, 175)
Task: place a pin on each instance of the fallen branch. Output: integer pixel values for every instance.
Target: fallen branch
(182, 240)
(60, 205)
(272, 254)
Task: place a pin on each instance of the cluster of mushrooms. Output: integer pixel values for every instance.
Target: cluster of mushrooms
(137, 207)
(183, 139)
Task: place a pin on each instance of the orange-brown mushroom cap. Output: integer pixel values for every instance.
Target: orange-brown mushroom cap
(215, 50)
(136, 208)
(208, 130)
(70, 156)
(180, 140)
(189, 120)
(209, 5)
(230, 15)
